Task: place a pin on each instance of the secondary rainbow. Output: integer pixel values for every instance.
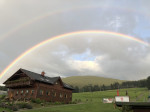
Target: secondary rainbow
(66, 35)
(45, 15)
(37, 18)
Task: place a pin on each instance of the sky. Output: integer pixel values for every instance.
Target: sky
(24, 24)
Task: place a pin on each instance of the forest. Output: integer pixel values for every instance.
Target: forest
(116, 85)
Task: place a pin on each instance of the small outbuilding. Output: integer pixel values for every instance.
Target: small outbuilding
(136, 106)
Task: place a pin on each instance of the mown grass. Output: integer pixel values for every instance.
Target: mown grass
(92, 101)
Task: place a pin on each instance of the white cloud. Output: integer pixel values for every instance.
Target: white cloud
(85, 65)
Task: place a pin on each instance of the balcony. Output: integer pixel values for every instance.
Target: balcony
(19, 83)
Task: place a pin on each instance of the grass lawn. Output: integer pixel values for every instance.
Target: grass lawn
(6, 110)
(92, 101)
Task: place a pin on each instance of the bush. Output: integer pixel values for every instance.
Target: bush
(126, 108)
(73, 102)
(50, 103)
(14, 108)
(28, 106)
(38, 101)
(2, 97)
(58, 103)
(76, 100)
(24, 105)
(21, 105)
(3, 105)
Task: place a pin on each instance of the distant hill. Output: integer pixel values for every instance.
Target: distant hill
(81, 81)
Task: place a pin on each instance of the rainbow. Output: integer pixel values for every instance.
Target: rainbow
(66, 35)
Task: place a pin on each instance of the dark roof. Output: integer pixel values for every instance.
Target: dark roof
(67, 86)
(45, 79)
(39, 77)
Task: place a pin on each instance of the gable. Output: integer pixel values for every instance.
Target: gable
(16, 76)
(38, 77)
(58, 82)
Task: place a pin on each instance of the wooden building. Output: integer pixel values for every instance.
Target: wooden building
(26, 85)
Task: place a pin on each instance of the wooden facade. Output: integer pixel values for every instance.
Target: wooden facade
(26, 85)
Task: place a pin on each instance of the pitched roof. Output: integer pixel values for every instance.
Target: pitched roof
(67, 86)
(45, 79)
(39, 77)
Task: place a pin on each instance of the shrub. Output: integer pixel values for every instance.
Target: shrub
(3, 105)
(58, 103)
(38, 101)
(42, 104)
(24, 105)
(76, 100)
(21, 105)
(50, 103)
(2, 97)
(28, 106)
(126, 108)
(14, 108)
(73, 102)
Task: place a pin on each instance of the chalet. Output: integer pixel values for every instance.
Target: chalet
(26, 85)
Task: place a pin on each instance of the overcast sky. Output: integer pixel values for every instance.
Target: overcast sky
(24, 24)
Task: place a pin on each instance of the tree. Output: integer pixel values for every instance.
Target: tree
(148, 83)
(76, 89)
(103, 87)
(96, 88)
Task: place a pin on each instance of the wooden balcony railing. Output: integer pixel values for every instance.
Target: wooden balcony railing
(19, 83)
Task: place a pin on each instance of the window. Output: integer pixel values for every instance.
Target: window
(65, 95)
(41, 92)
(17, 92)
(27, 91)
(21, 91)
(55, 94)
(32, 92)
(61, 95)
(47, 93)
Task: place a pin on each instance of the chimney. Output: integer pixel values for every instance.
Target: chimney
(42, 73)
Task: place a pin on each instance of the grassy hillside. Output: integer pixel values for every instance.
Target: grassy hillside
(86, 80)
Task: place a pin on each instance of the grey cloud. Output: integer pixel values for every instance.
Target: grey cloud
(121, 57)
(118, 53)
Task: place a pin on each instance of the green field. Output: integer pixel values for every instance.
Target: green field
(81, 81)
(92, 101)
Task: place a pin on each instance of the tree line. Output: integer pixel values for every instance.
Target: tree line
(116, 85)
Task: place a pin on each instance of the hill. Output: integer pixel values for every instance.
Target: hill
(81, 81)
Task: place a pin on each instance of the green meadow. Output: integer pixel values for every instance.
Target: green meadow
(92, 101)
